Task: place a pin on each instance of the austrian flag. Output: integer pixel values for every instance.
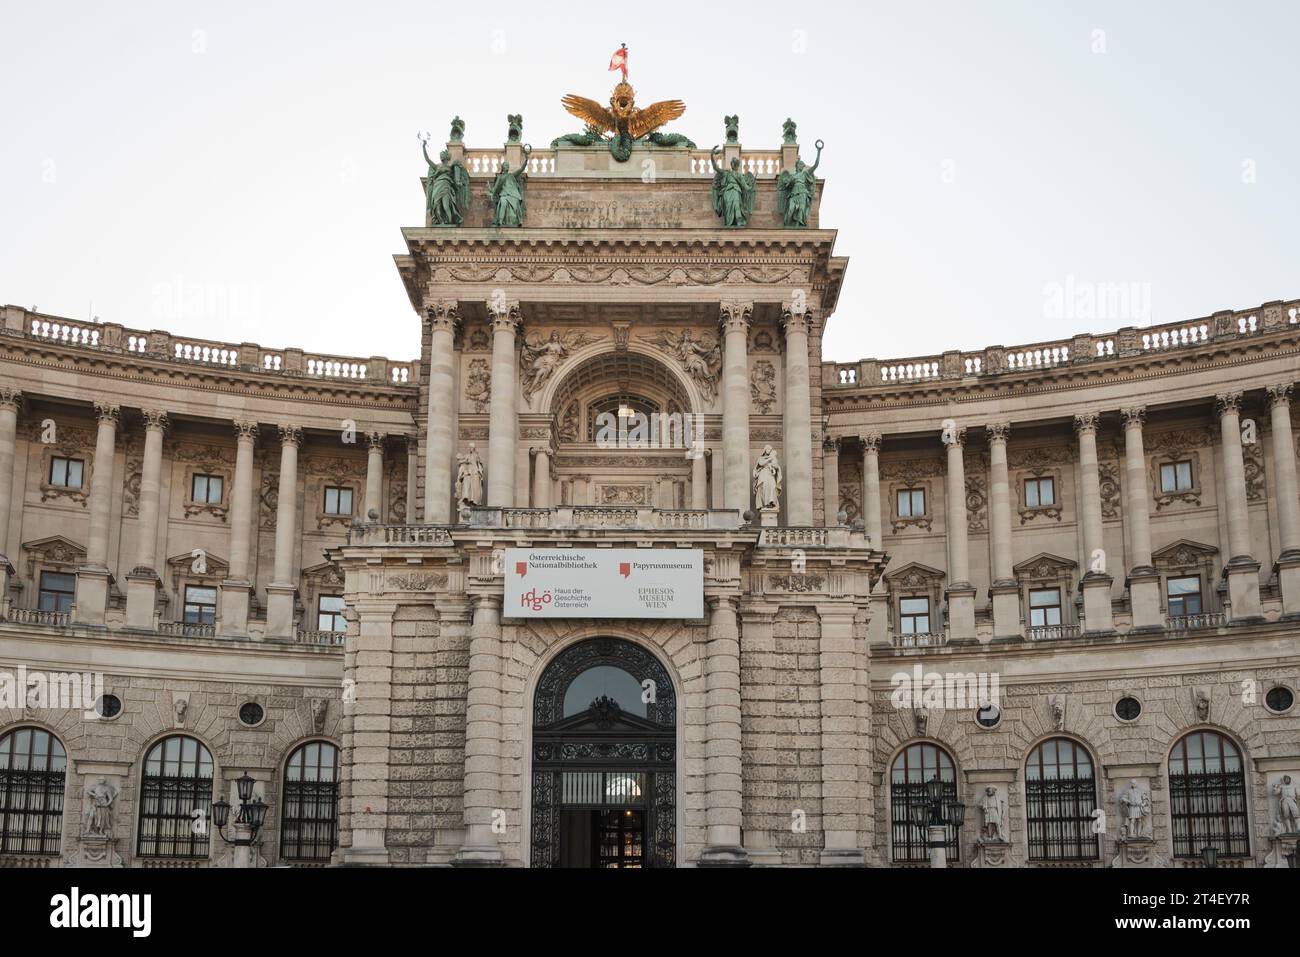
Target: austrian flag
(619, 60)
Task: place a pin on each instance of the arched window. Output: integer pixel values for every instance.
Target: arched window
(309, 824)
(620, 414)
(1060, 796)
(1207, 796)
(33, 766)
(915, 765)
(177, 782)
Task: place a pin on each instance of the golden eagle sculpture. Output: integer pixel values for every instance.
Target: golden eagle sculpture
(623, 119)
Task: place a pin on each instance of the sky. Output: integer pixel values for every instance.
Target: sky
(241, 172)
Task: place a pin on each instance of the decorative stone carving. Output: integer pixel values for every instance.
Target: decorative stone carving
(623, 495)
(469, 478)
(700, 358)
(1135, 813)
(541, 357)
(180, 705)
(976, 500)
(567, 429)
(767, 479)
(1252, 455)
(920, 721)
(1201, 703)
(993, 816)
(98, 809)
(319, 711)
(796, 583)
(1056, 705)
(1288, 805)
(478, 385)
(416, 582)
(762, 386)
(1108, 482)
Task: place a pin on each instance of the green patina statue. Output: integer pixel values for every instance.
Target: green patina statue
(446, 188)
(733, 128)
(795, 190)
(457, 130)
(592, 136)
(733, 192)
(514, 127)
(670, 139)
(788, 132)
(507, 193)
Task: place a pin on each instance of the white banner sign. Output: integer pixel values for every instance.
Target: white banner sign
(604, 583)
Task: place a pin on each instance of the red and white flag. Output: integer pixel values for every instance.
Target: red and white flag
(619, 60)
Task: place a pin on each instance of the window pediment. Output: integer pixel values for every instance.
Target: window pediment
(1183, 553)
(914, 575)
(1044, 567)
(54, 551)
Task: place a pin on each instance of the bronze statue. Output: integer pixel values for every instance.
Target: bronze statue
(507, 193)
(446, 189)
(795, 190)
(733, 192)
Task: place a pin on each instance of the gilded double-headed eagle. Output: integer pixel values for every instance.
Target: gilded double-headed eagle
(623, 118)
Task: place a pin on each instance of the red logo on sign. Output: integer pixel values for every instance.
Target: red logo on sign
(521, 569)
(535, 601)
(625, 569)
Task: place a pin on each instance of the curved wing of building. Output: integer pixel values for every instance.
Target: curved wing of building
(622, 572)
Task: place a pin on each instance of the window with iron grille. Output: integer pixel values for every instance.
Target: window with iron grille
(1207, 796)
(915, 765)
(57, 591)
(33, 766)
(177, 781)
(1060, 796)
(309, 824)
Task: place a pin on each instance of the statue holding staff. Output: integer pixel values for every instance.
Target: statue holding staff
(446, 188)
(507, 193)
(795, 191)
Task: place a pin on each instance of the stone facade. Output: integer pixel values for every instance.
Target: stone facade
(1036, 502)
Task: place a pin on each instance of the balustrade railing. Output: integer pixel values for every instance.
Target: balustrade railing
(185, 629)
(1052, 632)
(36, 616)
(331, 638)
(927, 639)
(1196, 622)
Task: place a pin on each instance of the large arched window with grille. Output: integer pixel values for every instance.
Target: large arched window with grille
(1207, 796)
(33, 766)
(915, 765)
(1060, 798)
(309, 822)
(177, 782)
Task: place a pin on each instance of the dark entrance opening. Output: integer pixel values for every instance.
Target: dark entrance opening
(604, 788)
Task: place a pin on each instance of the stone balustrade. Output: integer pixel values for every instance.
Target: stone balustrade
(1128, 342)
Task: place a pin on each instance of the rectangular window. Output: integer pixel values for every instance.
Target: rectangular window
(66, 473)
(200, 605)
(1040, 492)
(57, 591)
(911, 502)
(1176, 476)
(914, 616)
(1183, 596)
(329, 614)
(206, 489)
(1044, 607)
(338, 501)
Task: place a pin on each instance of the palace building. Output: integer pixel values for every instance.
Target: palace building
(1051, 589)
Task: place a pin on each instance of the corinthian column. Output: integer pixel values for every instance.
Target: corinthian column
(722, 758)
(1096, 580)
(93, 578)
(374, 476)
(961, 593)
(1004, 590)
(735, 404)
(10, 400)
(831, 481)
(236, 589)
(443, 317)
(503, 429)
(1143, 580)
(281, 589)
(1242, 569)
(482, 806)
(798, 418)
(871, 522)
(142, 583)
(1288, 505)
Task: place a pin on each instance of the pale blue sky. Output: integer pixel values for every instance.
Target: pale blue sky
(976, 152)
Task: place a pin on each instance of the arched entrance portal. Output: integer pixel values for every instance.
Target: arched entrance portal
(604, 759)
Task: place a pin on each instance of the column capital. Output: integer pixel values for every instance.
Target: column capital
(10, 398)
(500, 308)
(375, 441)
(1279, 394)
(107, 412)
(155, 420)
(486, 602)
(1086, 422)
(1134, 415)
(442, 314)
(735, 315)
(795, 317)
(290, 434)
(244, 430)
(998, 432)
(723, 603)
(954, 437)
(831, 443)
(1227, 402)
(870, 440)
